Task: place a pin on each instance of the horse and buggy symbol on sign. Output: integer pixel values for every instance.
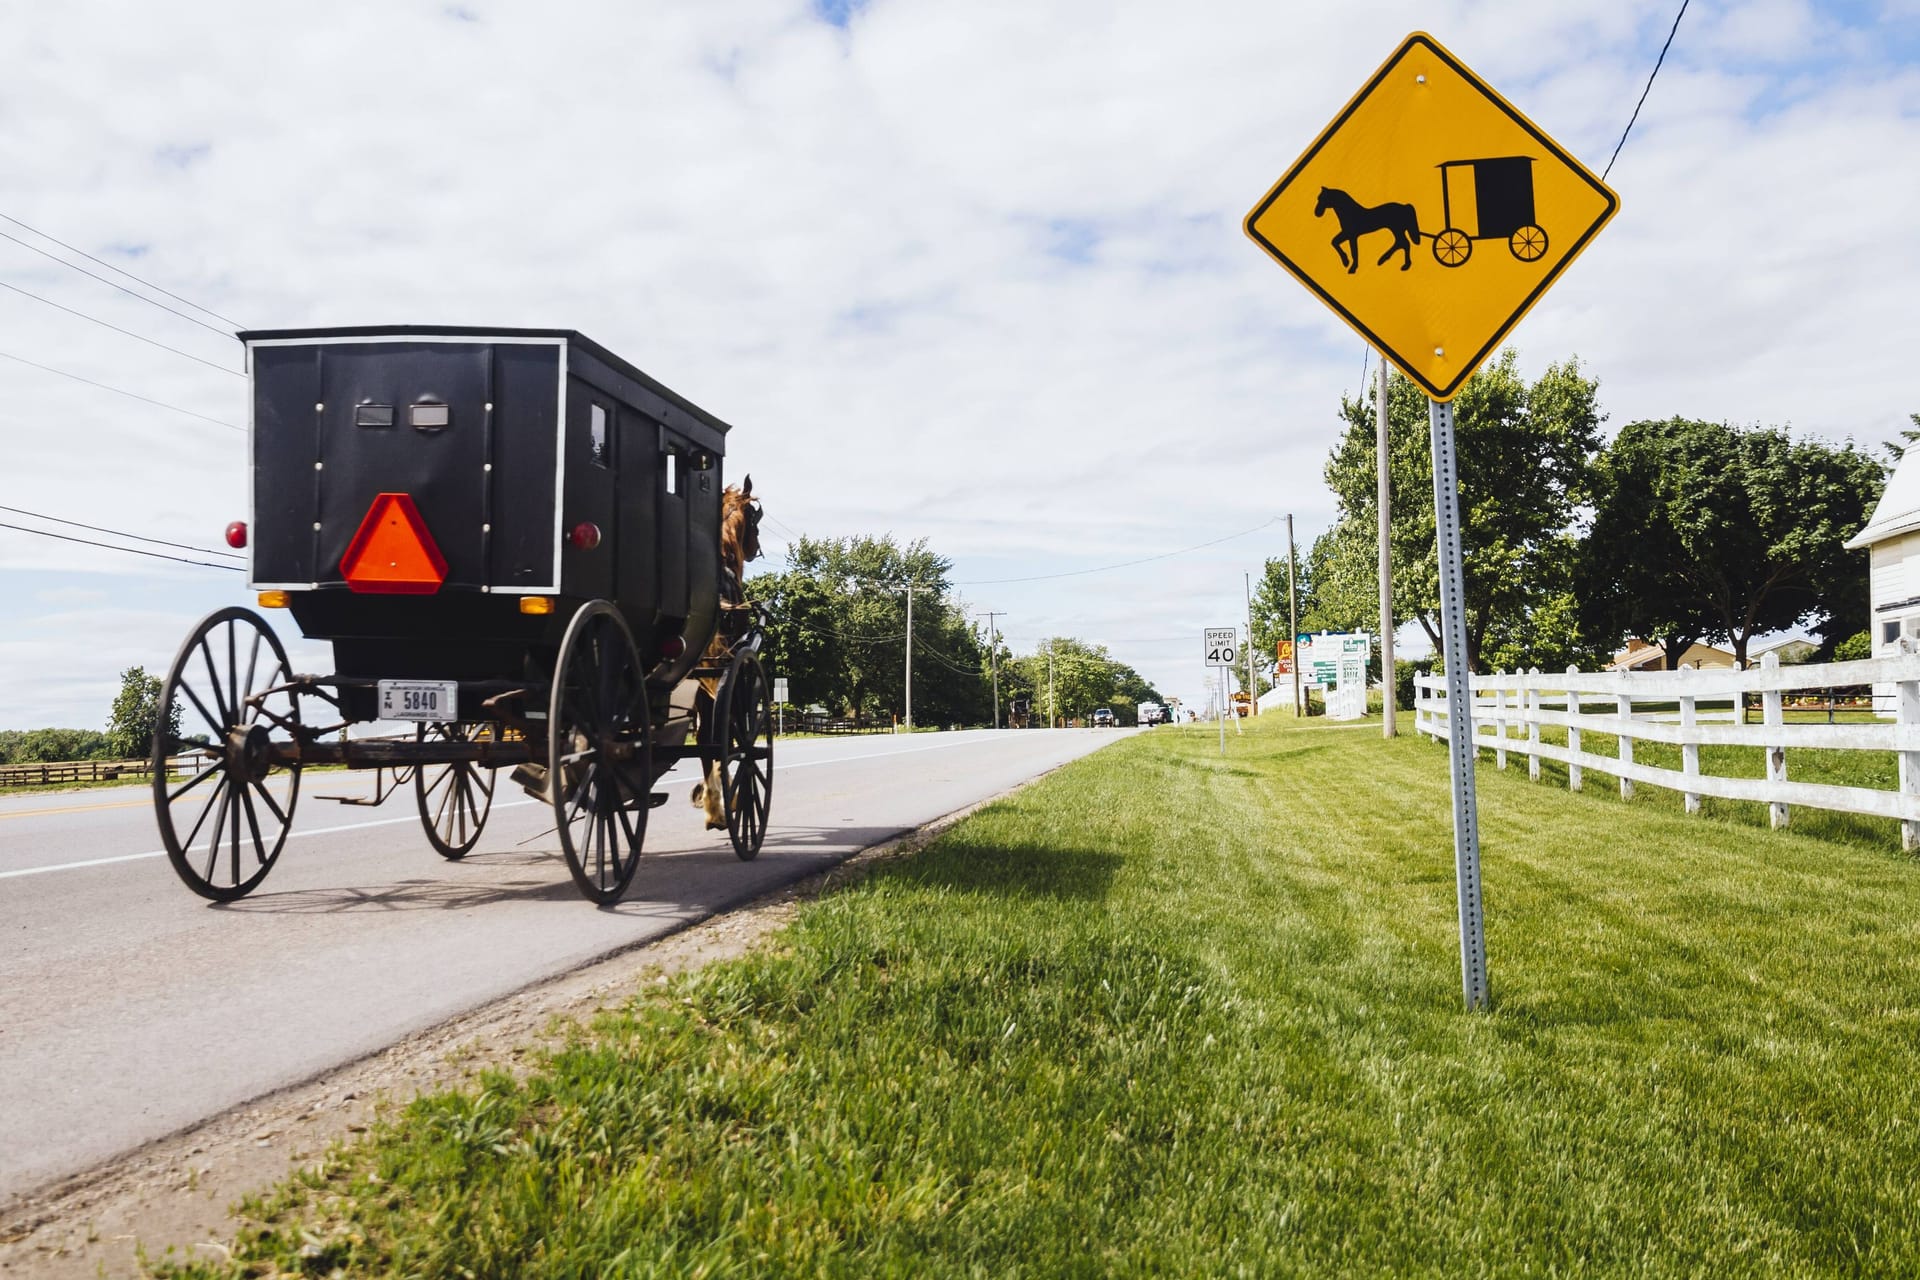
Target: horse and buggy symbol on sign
(1498, 189)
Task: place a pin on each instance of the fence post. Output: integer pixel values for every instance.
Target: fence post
(1907, 704)
(1624, 704)
(1531, 695)
(1500, 721)
(1773, 714)
(1574, 772)
(1689, 750)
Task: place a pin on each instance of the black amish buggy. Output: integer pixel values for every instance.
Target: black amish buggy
(1502, 189)
(512, 539)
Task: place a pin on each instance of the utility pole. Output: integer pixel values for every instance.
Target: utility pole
(1388, 682)
(993, 642)
(911, 588)
(1293, 621)
(1052, 718)
(1253, 689)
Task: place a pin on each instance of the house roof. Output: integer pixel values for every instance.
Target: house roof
(1898, 511)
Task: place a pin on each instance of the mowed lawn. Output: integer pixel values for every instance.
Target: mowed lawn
(1168, 1013)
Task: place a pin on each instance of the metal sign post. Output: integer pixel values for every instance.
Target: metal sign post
(1220, 647)
(1460, 745)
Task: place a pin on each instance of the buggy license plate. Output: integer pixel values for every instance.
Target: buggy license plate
(419, 700)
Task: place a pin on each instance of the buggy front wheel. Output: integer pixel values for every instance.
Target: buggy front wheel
(745, 723)
(224, 825)
(454, 799)
(1451, 247)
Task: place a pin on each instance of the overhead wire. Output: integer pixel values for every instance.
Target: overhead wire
(132, 395)
(120, 271)
(132, 551)
(138, 337)
(1644, 92)
(120, 533)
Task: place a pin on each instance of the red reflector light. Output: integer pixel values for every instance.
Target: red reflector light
(672, 647)
(392, 553)
(585, 535)
(237, 534)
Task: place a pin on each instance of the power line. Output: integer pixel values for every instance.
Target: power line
(115, 284)
(123, 271)
(140, 337)
(132, 551)
(131, 395)
(1644, 92)
(120, 533)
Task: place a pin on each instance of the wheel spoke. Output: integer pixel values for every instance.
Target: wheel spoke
(218, 791)
(213, 680)
(195, 781)
(253, 826)
(253, 660)
(213, 723)
(266, 798)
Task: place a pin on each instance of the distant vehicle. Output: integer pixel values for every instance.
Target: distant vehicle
(1103, 718)
(1020, 713)
(1152, 713)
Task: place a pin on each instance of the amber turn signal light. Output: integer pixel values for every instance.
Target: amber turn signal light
(536, 604)
(273, 599)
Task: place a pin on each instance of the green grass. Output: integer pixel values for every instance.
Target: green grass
(1168, 1013)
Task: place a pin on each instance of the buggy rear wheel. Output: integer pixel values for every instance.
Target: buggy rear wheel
(224, 826)
(1529, 243)
(1451, 247)
(454, 799)
(600, 753)
(746, 763)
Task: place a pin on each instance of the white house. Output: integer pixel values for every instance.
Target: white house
(1892, 537)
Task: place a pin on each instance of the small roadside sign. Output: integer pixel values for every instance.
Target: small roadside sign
(780, 689)
(1222, 645)
(1284, 666)
(1431, 214)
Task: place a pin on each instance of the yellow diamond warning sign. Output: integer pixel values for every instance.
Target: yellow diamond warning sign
(1431, 215)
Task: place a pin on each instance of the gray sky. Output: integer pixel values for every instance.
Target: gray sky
(968, 271)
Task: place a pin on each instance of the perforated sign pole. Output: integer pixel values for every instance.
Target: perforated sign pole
(1460, 744)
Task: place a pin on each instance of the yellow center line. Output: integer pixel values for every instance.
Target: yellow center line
(77, 808)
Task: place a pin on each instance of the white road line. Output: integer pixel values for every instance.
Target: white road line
(511, 804)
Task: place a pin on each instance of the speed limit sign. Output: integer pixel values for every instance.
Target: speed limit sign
(1221, 645)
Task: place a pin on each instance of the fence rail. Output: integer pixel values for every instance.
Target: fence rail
(46, 773)
(1509, 711)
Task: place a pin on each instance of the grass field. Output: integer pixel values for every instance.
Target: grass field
(1167, 1013)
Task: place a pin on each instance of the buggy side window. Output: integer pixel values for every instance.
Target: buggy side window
(671, 470)
(597, 435)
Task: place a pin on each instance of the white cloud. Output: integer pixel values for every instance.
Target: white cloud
(968, 271)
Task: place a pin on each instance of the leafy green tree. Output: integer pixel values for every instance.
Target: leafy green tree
(1708, 530)
(35, 746)
(837, 630)
(136, 713)
(1524, 453)
(1855, 648)
(1908, 437)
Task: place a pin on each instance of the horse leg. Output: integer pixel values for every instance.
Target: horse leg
(1353, 260)
(1400, 247)
(1339, 249)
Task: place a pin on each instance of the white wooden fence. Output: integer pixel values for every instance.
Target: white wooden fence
(1508, 712)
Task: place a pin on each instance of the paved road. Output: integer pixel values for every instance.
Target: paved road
(130, 1008)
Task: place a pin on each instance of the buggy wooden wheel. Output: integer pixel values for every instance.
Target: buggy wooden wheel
(1529, 244)
(1451, 247)
(745, 720)
(454, 799)
(600, 756)
(223, 826)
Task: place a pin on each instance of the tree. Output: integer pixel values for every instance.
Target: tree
(1909, 436)
(1524, 453)
(1707, 530)
(838, 625)
(136, 712)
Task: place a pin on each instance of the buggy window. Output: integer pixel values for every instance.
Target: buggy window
(597, 435)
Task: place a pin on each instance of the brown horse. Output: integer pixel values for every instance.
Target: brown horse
(739, 544)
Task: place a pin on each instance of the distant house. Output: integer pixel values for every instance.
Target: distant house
(1640, 655)
(1892, 540)
(1789, 651)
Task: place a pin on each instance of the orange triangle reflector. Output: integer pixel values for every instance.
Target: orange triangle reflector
(392, 553)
